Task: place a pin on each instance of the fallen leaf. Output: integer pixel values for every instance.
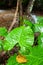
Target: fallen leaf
(21, 59)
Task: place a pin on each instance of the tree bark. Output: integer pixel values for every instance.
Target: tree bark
(20, 8)
(30, 6)
(20, 13)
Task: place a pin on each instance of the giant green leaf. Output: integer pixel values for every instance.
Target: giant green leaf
(22, 35)
(35, 57)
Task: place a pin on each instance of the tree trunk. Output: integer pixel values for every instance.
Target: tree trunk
(30, 6)
(20, 13)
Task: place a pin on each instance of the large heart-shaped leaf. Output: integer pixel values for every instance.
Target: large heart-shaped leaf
(22, 35)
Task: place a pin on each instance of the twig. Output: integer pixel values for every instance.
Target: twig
(15, 17)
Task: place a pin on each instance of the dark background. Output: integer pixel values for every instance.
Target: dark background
(8, 4)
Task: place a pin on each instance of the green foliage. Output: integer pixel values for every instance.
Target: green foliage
(1, 46)
(3, 31)
(38, 26)
(34, 58)
(34, 55)
(40, 40)
(37, 51)
(25, 50)
(22, 35)
(27, 22)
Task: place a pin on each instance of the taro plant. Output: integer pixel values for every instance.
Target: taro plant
(28, 54)
(23, 37)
